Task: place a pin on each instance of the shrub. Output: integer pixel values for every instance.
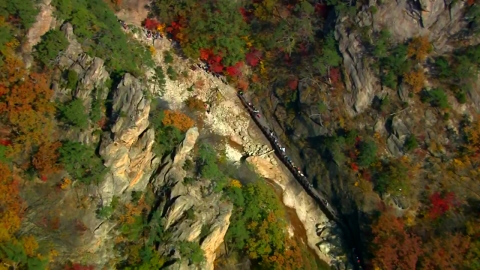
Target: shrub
(436, 97)
(411, 143)
(461, 96)
(368, 153)
(167, 57)
(208, 165)
(96, 113)
(416, 79)
(419, 48)
(195, 104)
(192, 251)
(172, 74)
(51, 44)
(166, 137)
(73, 113)
(159, 80)
(177, 119)
(72, 79)
(81, 162)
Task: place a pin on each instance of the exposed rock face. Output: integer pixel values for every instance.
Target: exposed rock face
(44, 22)
(396, 141)
(360, 79)
(205, 206)
(127, 150)
(436, 19)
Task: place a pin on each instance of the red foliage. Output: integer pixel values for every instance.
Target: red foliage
(441, 205)
(5, 142)
(77, 266)
(151, 24)
(246, 14)
(366, 175)
(253, 57)
(293, 84)
(354, 166)
(470, 2)
(303, 49)
(43, 178)
(234, 71)
(334, 75)
(205, 54)
(287, 58)
(321, 9)
(215, 59)
(216, 67)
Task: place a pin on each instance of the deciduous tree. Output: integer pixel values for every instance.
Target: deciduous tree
(393, 247)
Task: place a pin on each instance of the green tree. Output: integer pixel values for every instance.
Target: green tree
(368, 153)
(52, 43)
(72, 79)
(166, 137)
(23, 10)
(73, 113)
(192, 251)
(81, 162)
(436, 97)
(218, 26)
(411, 143)
(63, 8)
(329, 57)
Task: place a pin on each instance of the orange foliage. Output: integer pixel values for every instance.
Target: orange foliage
(178, 120)
(10, 203)
(446, 253)
(419, 47)
(25, 101)
(242, 85)
(416, 80)
(393, 246)
(44, 161)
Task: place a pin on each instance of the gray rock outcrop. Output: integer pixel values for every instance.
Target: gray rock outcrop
(438, 20)
(127, 148)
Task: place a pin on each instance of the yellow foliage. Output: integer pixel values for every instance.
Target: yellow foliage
(178, 120)
(235, 183)
(65, 183)
(52, 255)
(416, 79)
(341, 122)
(161, 28)
(152, 50)
(410, 220)
(30, 245)
(419, 47)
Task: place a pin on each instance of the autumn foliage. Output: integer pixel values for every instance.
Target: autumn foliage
(441, 204)
(253, 57)
(419, 48)
(45, 159)
(25, 104)
(394, 247)
(416, 79)
(178, 120)
(151, 24)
